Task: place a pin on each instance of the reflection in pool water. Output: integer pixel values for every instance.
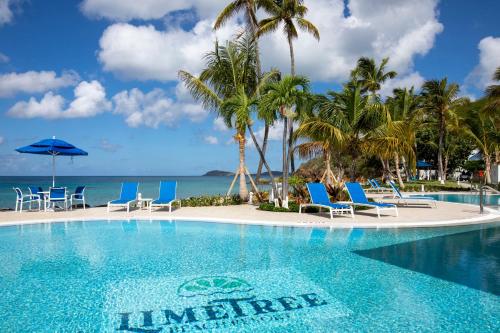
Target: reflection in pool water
(143, 276)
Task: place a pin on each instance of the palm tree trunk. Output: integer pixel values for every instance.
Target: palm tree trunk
(292, 56)
(398, 172)
(441, 147)
(262, 157)
(292, 71)
(487, 166)
(329, 179)
(243, 183)
(264, 148)
(290, 147)
(285, 161)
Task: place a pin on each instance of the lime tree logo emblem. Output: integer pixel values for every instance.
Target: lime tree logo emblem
(213, 285)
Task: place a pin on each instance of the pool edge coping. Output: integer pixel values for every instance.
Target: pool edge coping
(491, 216)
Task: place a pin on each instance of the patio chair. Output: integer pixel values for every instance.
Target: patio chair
(22, 199)
(358, 198)
(79, 195)
(58, 195)
(128, 196)
(167, 196)
(405, 198)
(373, 187)
(36, 191)
(320, 199)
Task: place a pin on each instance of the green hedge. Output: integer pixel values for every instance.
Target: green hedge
(292, 208)
(215, 200)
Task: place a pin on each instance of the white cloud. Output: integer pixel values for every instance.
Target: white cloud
(3, 58)
(145, 53)
(156, 108)
(125, 10)
(211, 140)
(375, 29)
(220, 125)
(35, 82)
(489, 60)
(411, 80)
(5, 11)
(90, 100)
(275, 134)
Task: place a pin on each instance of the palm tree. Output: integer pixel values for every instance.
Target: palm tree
(284, 96)
(441, 99)
(324, 136)
(493, 94)
(224, 86)
(492, 107)
(480, 126)
(404, 107)
(372, 76)
(249, 7)
(291, 13)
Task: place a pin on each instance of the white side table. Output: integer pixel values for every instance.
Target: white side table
(143, 203)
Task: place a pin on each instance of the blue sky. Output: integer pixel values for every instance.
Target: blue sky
(102, 73)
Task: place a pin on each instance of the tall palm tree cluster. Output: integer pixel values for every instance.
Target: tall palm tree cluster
(343, 127)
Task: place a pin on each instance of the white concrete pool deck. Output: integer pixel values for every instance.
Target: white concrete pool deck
(446, 214)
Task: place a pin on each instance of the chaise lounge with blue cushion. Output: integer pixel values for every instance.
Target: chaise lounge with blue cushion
(407, 198)
(128, 196)
(378, 187)
(358, 198)
(167, 196)
(320, 199)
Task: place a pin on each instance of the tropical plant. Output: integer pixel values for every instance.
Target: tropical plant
(324, 136)
(284, 96)
(440, 100)
(493, 95)
(371, 76)
(289, 13)
(229, 87)
(479, 126)
(404, 107)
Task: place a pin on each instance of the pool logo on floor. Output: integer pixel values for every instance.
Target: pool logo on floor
(211, 285)
(224, 303)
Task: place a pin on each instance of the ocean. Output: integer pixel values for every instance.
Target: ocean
(101, 189)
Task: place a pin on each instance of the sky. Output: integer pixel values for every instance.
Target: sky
(102, 74)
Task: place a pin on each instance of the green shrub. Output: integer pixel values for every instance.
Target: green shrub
(293, 207)
(215, 200)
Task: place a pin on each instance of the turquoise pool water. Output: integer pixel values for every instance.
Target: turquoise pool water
(160, 276)
(473, 199)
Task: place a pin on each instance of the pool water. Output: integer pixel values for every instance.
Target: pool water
(473, 199)
(161, 276)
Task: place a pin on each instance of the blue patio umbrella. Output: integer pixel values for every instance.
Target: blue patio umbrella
(53, 147)
(423, 164)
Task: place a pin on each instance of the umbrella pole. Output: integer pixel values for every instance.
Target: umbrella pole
(53, 170)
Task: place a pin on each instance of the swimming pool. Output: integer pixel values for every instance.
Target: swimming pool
(152, 276)
(473, 199)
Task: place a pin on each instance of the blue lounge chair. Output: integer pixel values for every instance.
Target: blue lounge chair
(167, 196)
(79, 195)
(58, 195)
(358, 198)
(22, 199)
(320, 199)
(406, 198)
(128, 196)
(373, 187)
(378, 187)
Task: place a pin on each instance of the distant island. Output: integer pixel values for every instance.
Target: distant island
(220, 173)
